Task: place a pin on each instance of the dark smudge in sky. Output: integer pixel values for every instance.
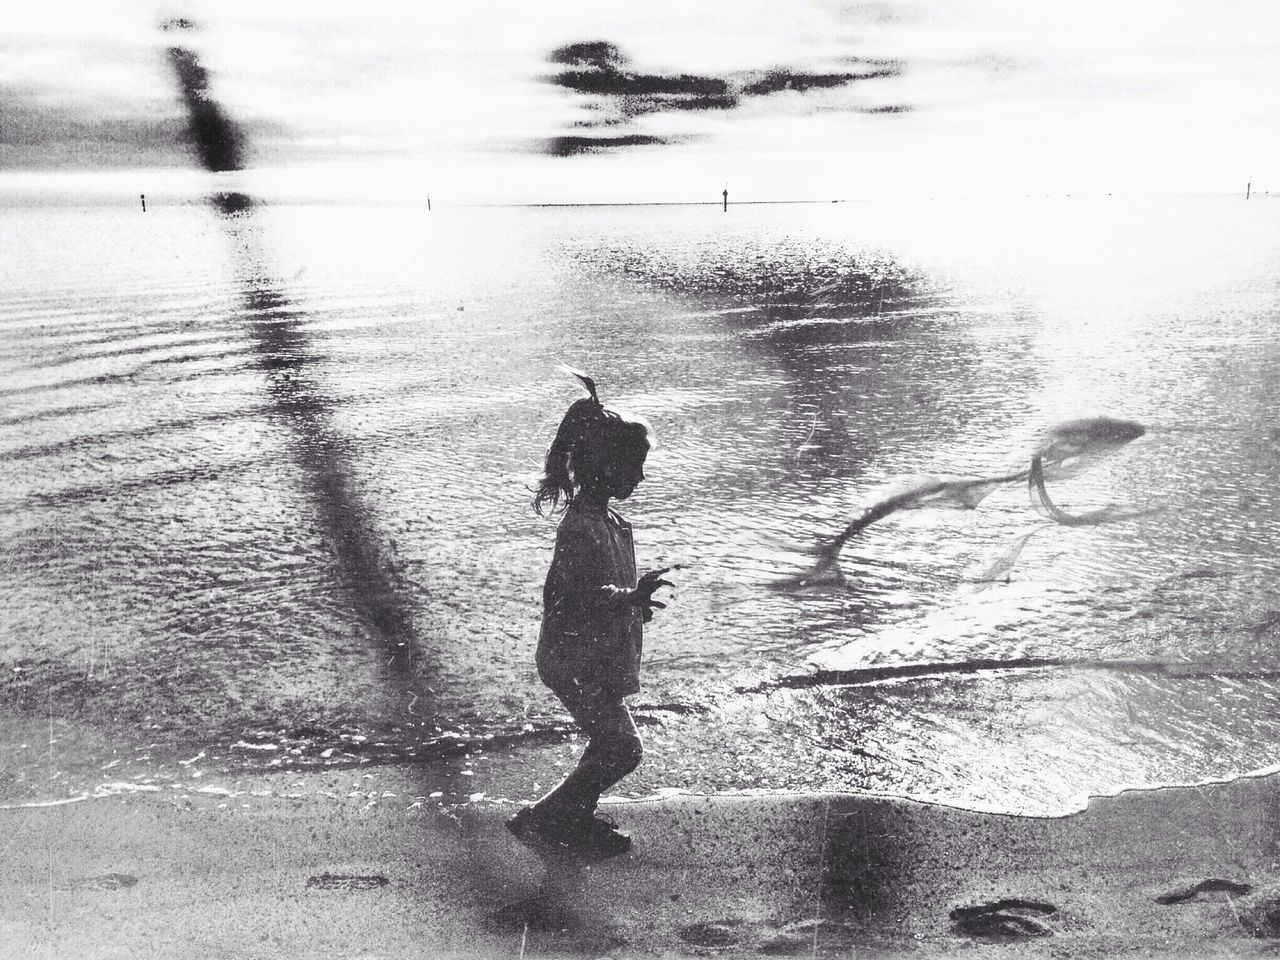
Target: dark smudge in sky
(572, 146)
(780, 81)
(599, 70)
(216, 138)
(592, 53)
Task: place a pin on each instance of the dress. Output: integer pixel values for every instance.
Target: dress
(591, 639)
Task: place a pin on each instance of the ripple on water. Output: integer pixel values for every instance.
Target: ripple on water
(186, 456)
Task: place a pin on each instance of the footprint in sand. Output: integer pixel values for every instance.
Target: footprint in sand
(785, 946)
(1004, 918)
(719, 933)
(536, 915)
(108, 881)
(1189, 891)
(346, 881)
(533, 913)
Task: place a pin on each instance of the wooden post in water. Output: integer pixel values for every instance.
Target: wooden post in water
(1248, 188)
(144, 203)
(725, 194)
(428, 203)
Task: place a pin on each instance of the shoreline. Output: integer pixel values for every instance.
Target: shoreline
(302, 864)
(91, 763)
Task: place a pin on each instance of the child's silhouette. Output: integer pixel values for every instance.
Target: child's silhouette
(593, 607)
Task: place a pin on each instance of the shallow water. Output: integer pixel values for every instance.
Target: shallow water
(265, 480)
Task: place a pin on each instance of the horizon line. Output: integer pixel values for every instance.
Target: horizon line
(651, 203)
(21, 197)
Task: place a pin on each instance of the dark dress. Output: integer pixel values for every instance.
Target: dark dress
(592, 636)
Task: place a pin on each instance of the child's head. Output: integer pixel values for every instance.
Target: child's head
(596, 449)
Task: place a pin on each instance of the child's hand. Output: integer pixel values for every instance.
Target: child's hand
(643, 596)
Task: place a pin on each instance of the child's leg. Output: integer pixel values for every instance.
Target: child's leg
(613, 752)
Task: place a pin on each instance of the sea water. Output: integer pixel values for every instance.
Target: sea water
(266, 469)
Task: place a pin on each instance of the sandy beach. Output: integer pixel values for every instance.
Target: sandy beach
(291, 865)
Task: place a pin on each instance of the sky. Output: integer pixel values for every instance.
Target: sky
(665, 100)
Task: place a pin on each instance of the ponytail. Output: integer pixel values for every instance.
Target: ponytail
(558, 483)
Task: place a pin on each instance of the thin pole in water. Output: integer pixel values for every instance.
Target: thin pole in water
(428, 203)
(725, 194)
(144, 203)
(1248, 188)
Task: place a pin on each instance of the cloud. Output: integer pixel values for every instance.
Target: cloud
(573, 146)
(779, 81)
(598, 68)
(601, 73)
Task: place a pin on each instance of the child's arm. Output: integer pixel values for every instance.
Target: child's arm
(642, 596)
(579, 582)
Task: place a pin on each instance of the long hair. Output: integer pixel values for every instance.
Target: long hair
(588, 431)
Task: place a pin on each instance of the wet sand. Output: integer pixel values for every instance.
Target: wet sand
(301, 865)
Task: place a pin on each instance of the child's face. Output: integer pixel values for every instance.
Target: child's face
(624, 471)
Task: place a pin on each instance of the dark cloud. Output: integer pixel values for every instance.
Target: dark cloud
(598, 68)
(573, 146)
(780, 81)
(601, 73)
(595, 53)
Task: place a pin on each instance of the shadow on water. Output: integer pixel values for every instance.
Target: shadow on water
(836, 326)
(829, 334)
(286, 356)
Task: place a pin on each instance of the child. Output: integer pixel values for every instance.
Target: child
(593, 607)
